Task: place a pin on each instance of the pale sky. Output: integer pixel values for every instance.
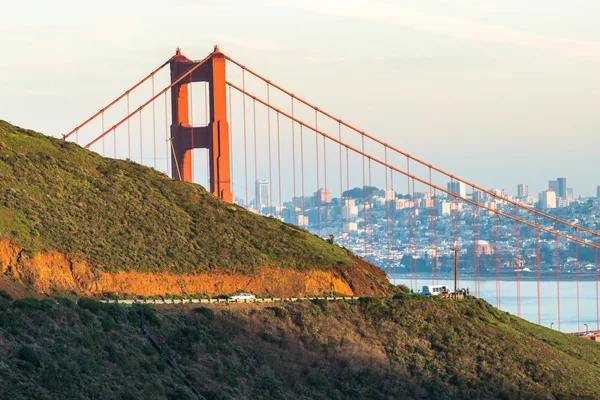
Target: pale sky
(497, 92)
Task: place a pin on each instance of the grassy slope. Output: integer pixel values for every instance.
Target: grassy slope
(119, 215)
(373, 349)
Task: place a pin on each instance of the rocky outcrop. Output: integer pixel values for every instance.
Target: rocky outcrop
(47, 271)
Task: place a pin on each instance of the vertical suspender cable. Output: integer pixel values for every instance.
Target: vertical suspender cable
(348, 192)
(414, 219)
(387, 219)
(577, 278)
(537, 273)
(393, 223)
(103, 142)
(597, 302)
(318, 183)
(270, 157)
(475, 250)
(318, 178)
(257, 200)
(408, 205)
(169, 167)
(279, 167)
(341, 186)
(141, 136)
(557, 279)
(302, 168)
(410, 225)
(245, 138)
(371, 209)
(294, 162)
(435, 238)
(326, 193)
(497, 256)
(364, 190)
(431, 231)
(128, 131)
(518, 264)
(154, 123)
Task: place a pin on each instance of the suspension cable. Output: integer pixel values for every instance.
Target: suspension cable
(119, 98)
(347, 125)
(420, 180)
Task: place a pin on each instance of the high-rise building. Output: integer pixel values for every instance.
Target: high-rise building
(477, 196)
(262, 194)
(562, 188)
(522, 190)
(323, 196)
(559, 186)
(458, 188)
(389, 195)
(548, 199)
(598, 192)
(570, 196)
(553, 185)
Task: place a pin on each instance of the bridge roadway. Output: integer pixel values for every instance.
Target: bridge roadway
(229, 301)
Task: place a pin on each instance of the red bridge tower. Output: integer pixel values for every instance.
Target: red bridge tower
(215, 136)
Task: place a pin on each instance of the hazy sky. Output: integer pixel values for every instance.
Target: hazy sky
(498, 92)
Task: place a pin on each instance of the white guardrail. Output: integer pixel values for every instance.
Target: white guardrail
(228, 301)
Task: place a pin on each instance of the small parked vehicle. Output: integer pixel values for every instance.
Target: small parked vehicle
(243, 296)
(435, 290)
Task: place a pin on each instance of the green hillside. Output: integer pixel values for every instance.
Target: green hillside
(118, 215)
(407, 348)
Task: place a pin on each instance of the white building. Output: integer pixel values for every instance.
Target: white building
(302, 220)
(443, 207)
(262, 194)
(522, 190)
(458, 188)
(548, 199)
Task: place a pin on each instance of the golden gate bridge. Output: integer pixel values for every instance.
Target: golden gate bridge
(241, 108)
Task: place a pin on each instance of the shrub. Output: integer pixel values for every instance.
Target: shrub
(29, 355)
(206, 313)
(279, 312)
(27, 303)
(5, 295)
(89, 304)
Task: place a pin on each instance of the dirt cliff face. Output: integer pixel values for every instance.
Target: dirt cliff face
(49, 271)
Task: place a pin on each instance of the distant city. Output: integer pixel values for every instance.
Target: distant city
(416, 233)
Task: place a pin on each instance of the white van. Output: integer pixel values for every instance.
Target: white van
(434, 290)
